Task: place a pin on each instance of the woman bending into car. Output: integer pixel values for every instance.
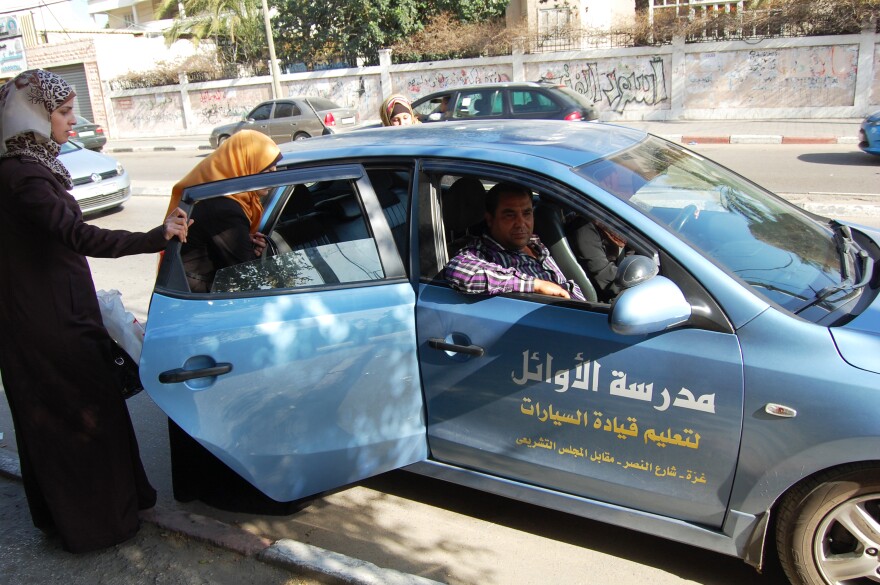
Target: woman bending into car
(224, 232)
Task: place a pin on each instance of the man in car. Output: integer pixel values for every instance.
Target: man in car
(509, 257)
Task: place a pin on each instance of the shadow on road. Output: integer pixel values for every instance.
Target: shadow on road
(851, 159)
(687, 562)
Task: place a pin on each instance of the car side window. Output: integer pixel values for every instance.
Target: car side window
(320, 238)
(478, 104)
(261, 112)
(286, 110)
(585, 245)
(530, 102)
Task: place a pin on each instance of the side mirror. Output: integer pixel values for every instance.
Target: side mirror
(655, 305)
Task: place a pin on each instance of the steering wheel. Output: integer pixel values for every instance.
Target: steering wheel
(685, 215)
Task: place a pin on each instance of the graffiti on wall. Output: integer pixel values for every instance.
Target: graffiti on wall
(613, 85)
(149, 112)
(419, 83)
(796, 77)
(212, 107)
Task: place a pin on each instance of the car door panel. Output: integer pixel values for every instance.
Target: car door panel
(558, 400)
(298, 391)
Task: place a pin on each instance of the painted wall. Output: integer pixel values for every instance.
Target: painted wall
(816, 77)
(796, 77)
(615, 85)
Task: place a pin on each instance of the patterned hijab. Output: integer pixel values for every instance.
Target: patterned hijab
(393, 105)
(26, 106)
(246, 152)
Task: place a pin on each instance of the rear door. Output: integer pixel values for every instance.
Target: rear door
(285, 122)
(299, 370)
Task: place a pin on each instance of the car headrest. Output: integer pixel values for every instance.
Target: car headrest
(464, 204)
(300, 201)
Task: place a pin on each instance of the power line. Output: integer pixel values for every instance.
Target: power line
(41, 4)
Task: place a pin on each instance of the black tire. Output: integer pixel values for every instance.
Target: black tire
(300, 136)
(221, 140)
(828, 528)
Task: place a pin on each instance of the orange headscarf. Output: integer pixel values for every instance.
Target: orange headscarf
(246, 152)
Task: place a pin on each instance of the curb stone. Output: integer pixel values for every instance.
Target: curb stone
(286, 553)
(319, 562)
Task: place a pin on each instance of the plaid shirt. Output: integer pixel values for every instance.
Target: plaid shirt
(484, 267)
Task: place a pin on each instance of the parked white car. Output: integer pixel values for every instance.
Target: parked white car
(99, 181)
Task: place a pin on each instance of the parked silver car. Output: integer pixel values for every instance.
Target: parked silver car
(292, 118)
(99, 181)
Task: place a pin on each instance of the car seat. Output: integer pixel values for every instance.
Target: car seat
(464, 212)
(549, 227)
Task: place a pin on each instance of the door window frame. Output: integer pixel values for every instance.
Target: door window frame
(171, 279)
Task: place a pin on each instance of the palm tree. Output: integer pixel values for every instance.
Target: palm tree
(236, 26)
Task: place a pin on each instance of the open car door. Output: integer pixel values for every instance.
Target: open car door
(298, 370)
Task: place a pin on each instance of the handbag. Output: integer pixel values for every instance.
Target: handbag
(128, 339)
(126, 371)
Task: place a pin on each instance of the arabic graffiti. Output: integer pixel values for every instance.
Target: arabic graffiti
(626, 82)
(597, 457)
(425, 82)
(584, 375)
(630, 428)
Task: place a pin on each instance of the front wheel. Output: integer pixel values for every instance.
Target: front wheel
(828, 530)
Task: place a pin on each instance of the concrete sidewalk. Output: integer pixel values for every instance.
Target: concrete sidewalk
(818, 131)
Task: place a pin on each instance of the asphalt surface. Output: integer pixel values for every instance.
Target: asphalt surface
(303, 558)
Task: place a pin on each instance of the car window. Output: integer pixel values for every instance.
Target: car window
(286, 110)
(432, 109)
(478, 104)
(320, 103)
(261, 112)
(529, 101)
(321, 238)
(586, 244)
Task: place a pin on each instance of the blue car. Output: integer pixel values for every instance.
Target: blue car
(727, 397)
(869, 134)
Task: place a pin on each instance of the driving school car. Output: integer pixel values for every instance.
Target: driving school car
(726, 398)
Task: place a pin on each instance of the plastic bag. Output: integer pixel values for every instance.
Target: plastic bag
(122, 326)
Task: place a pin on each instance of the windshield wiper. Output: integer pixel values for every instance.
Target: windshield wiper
(844, 241)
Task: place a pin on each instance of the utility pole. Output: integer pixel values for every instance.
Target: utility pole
(273, 64)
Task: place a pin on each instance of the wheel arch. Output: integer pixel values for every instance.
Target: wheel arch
(756, 547)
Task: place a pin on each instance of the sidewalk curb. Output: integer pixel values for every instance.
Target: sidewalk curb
(297, 557)
(118, 149)
(322, 563)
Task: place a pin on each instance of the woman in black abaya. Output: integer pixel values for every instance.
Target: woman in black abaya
(79, 457)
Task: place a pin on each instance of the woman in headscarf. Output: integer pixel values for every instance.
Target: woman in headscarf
(224, 232)
(397, 111)
(79, 457)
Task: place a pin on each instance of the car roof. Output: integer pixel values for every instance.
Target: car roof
(567, 143)
(497, 85)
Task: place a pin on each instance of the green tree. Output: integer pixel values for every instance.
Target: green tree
(236, 26)
(310, 32)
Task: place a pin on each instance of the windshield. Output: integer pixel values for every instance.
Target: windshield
(771, 245)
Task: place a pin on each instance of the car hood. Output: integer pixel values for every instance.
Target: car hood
(859, 340)
(82, 163)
